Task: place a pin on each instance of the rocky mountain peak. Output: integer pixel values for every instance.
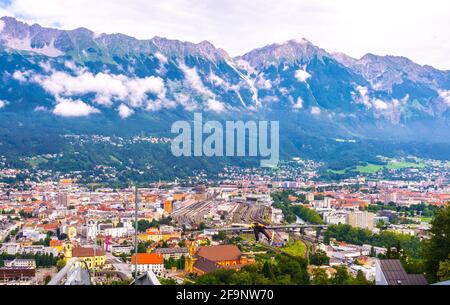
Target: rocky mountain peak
(289, 51)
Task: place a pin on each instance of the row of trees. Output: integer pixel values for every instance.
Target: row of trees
(342, 232)
(290, 211)
(42, 260)
(144, 224)
(306, 214)
(319, 258)
(413, 210)
(171, 262)
(435, 251)
(284, 270)
(281, 201)
(341, 277)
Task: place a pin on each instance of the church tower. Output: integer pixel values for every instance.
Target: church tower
(190, 259)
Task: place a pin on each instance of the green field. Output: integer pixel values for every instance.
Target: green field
(114, 159)
(298, 248)
(369, 169)
(36, 161)
(426, 219)
(340, 172)
(401, 165)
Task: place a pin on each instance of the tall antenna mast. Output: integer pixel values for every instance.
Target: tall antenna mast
(135, 233)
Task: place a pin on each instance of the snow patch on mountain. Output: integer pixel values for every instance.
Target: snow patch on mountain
(445, 96)
(248, 80)
(25, 45)
(194, 81)
(162, 58)
(218, 81)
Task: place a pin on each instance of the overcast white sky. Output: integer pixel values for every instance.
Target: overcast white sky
(417, 29)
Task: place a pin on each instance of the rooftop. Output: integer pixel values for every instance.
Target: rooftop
(148, 259)
(395, 274)
(86, 252)
(220, 253)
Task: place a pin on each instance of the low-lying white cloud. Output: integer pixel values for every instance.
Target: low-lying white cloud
(388, 108)
(21, 76)
(46, 66)
(298, 104)
(107, 87)
(380, 105)
(3, 104)
(315, 110)
(125, 111)
(363, 96)
(160, 104)
(40, 109)
(73, 108)
(186, 101)
(301, 75)
(2, 25)
(72, 66)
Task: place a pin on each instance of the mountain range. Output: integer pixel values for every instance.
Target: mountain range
(57, 82)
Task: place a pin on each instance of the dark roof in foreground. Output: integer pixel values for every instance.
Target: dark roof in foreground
(148, 278)
(395, 274)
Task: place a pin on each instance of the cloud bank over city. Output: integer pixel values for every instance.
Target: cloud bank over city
(415, 29)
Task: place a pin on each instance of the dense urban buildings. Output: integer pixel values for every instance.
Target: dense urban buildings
(50, 228)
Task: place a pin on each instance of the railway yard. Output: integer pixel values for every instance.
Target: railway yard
(231, 213)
